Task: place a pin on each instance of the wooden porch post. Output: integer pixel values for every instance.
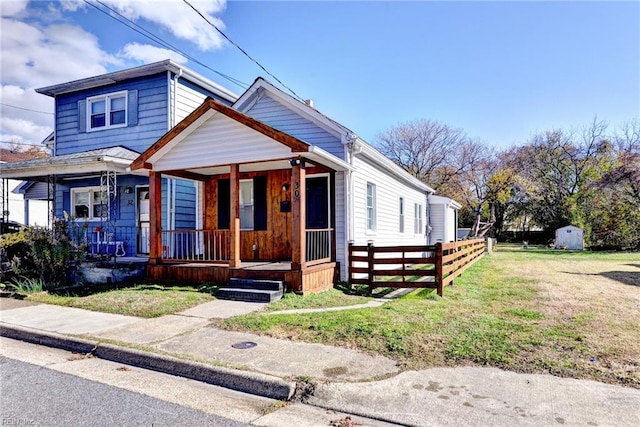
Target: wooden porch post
(234, 223)
(155, 217)
(298, 239)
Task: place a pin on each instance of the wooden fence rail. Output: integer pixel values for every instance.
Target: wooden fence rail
(430, 267)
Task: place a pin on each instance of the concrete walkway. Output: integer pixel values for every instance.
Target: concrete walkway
(345, 380)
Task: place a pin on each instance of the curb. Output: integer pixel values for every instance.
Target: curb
(246, 382)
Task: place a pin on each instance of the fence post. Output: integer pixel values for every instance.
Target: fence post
(438, 261)
(370, 261)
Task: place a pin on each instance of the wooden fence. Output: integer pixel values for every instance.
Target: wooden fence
(412, 266)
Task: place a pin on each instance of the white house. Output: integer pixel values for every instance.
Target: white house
(22, 202)
(300, 186)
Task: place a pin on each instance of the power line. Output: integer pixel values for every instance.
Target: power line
(25, 109)
(242, 50)
(148, 34)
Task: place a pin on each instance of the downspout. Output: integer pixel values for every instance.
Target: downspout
(429, 228)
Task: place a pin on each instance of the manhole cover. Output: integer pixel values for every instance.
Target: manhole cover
(244, 344)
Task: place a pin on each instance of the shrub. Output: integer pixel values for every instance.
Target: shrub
(47, 255)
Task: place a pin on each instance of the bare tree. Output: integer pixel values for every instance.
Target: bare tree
(424, 148)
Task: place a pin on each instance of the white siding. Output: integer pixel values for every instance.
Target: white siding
(278, 116)
(388, 191)
(187, 101)
(222, 141)
(437, 218)
(451, 225)
(341, 236)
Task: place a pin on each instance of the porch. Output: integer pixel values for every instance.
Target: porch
(282, 228)
(266, 207)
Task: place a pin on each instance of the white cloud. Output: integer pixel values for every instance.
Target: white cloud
(48, 49)
(178, 18)
(12, 7)
(147, 53)
(174, 16)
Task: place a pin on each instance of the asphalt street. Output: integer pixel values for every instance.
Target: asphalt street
(36, 396)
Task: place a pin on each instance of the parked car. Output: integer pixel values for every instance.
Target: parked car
(10, 227)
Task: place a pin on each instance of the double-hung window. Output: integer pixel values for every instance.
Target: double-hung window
(107, 111)
(417, 223)
(88, 203)
(371, 206)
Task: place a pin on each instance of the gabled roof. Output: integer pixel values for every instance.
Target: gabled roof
(361, 147)
(207, 110)
(244, 102)
(113, 158)
(141, 71)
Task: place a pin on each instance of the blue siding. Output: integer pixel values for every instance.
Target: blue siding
(185, 205)
(151, 123)
(276, 115)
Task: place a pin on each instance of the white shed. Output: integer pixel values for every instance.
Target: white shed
(443, 219)
(570, 237)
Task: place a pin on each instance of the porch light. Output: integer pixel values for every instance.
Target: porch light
(294, 162)
(285, 186)
(128, 190)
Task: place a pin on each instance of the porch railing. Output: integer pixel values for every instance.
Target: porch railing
(117, 241)
(195, 245)
(319, 245)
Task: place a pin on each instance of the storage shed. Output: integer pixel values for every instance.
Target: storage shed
(443, 218)
(570, 237)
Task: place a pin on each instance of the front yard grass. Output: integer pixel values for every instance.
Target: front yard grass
(571, 314)
(330, 298)
(140, 301)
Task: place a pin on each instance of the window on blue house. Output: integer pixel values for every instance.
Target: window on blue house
(87, 203)
(107, 111)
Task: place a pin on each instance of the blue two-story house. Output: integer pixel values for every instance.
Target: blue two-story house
(102, 124)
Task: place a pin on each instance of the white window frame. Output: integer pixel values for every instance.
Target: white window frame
(401, 215)
(91, 191)
(370, 204)
(251, 204)
(107, 111)
(417, 219)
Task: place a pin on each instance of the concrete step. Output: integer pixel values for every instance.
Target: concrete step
(249, 295)
(261, 284)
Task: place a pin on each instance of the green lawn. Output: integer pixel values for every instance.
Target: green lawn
(571, 314)
(140, 301)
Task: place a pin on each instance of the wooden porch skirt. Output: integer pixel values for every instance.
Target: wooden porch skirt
(310, 280)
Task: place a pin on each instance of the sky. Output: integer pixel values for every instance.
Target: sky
(500, 70)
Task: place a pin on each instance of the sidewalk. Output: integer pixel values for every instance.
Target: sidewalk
(344, 380)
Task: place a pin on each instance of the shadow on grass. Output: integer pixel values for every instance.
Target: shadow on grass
(83, 290)
(362, 290)
(624, 277)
